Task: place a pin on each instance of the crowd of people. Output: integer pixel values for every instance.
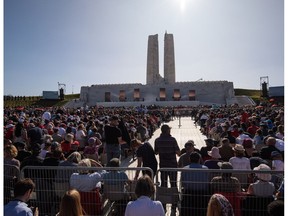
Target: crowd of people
(249, 139)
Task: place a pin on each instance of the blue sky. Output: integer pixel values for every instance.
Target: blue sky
(86, 42)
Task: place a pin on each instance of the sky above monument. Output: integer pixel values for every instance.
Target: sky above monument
(81, 43)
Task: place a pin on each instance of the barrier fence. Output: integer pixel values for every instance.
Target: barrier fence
(190, 193)
(103, 190)
(11, 176)
(187, 194)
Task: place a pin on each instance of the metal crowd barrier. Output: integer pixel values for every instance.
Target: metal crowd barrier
(11, 176)
(187, 195)
(190, 193)
(115, 187)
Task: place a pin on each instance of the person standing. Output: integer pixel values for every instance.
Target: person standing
(145, 157)
(113, 136)
(167, 148)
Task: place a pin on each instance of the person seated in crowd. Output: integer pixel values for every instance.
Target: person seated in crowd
(144, 205)
(276, 208)
(66, 144)
(280, 192)
(215, 156)
(226, 150)
(63, 175)
(265, 152)
(56, 136)
(204, 149)
(115, 184)
(219, 205)
(194, 185)
(10, 152)
(239, 161)
(256, 160)
(81, 136)
(277, 165)
(258, 140)
(277, 161)
(71, 204)
(91, 150)
(33, 160)
(22, 151)
(184, 159)
(189, 180)
(241, 137)
(45, 150)
(225, 182)
(84, 180)
(213, 162)
(262, 187)
(248, 146)
(22, 193)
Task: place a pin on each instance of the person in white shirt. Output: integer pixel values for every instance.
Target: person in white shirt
(144, 205)
(240, 162)
(277, 165)
(242, 136)
(85, 181)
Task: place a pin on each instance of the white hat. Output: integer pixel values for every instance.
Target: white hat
(263, 176)
(9, 126)
(214, 153)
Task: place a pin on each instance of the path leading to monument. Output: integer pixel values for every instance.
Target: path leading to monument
(183, 130)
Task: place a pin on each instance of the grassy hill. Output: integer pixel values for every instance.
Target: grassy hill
(36, 101)
(254, 94)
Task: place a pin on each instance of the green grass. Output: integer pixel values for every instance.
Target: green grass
(254, 94)
(37, 102)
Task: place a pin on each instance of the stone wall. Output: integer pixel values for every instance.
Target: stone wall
(217, 92)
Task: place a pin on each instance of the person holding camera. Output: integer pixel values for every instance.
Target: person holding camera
(22, 193)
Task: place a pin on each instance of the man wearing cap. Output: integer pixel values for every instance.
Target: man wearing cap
(184, 159)
(167, 148)
(113, 137)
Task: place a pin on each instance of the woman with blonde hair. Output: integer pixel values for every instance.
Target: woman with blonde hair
(71, 204)
(219, 206)
(10, 152)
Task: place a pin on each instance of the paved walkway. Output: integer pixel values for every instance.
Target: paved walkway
(183, 130)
